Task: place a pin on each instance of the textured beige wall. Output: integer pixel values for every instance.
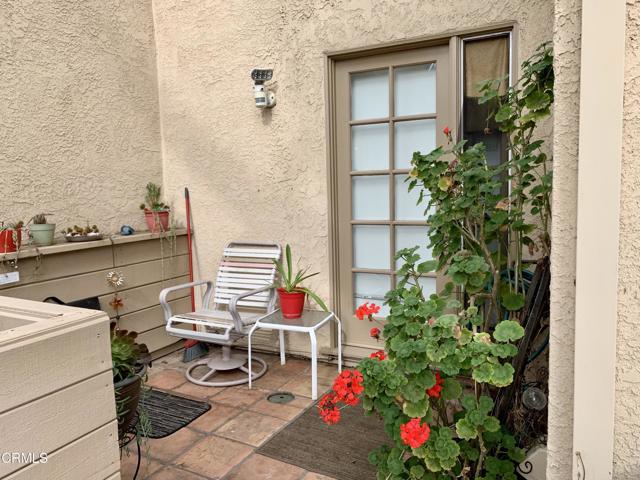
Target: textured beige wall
(262, 175)
(79, 122)
(566, 38)
(627, 413)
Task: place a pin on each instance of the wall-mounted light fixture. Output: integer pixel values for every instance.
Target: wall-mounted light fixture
(263, 97)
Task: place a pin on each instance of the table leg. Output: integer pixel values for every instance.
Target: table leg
(282, 359)
(249, 353)
(314, 365)
(339, 342)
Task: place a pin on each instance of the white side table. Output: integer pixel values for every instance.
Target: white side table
(310, 321)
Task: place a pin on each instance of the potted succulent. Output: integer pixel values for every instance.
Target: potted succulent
(156, 212)
(10, 236)
(290, 292)
(79, 234)
(129, 364)
(40, 231)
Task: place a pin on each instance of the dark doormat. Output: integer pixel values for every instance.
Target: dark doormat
(339, 451)
(169, 413)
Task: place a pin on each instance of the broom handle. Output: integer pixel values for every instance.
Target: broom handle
(188, 212)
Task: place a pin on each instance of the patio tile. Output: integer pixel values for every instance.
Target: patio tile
(327, 372)
(251, 428)
(259, 467)
(218, 415)
(171, 473)
(167, 379)
(274, 380)
(292, 365)
(283, 411)
(302, 386)
(213, 456)
(128, 465)
(196, 391)
(316, 476)
(168, 448)
(240, 396)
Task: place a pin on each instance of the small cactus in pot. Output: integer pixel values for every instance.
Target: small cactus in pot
(40, 231)
(156, 212)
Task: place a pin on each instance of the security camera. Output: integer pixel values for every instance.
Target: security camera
(263, 97)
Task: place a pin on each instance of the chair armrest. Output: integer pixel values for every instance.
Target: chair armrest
(166, 291)
(233, 304)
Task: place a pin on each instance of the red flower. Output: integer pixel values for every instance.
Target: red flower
(347, 386)
(328, 408)
(437, 388)
(375, 333)
(366, 310)
(380, 355)
(414, 434)
(446, 131)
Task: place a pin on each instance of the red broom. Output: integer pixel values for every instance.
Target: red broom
(192, 348)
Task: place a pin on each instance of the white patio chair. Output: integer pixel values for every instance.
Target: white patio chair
(243, 292)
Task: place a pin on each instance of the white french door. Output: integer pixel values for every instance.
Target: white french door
(387, 107)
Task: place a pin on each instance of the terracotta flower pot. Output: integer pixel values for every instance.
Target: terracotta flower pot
(157, 221)
(291, 303)
(7, 243)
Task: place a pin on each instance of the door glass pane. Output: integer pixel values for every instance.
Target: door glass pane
(417, 135)
(371, 288)
(409, 237)
(370, 147)
(406, 201)
(370, 95)
(415, 89)
(371, 246)
(370, 197)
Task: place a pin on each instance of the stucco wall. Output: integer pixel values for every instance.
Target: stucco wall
(566, 40)
(79, 122)
(262, 174)
(627, 413)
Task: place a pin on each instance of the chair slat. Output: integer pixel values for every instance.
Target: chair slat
(254, 276)
(230, 263)
(230, 292)
(253, 255)
(252, 251)
(243, 303)
(247, 270)
(245, 285)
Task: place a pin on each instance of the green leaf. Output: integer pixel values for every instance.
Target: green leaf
(513, 301)
(451, 389)
(491, 424)
(502, 375)
(447, 321)
(416, 409)
(483, 373)
(508, 331)
(417, 472)
(428, 266)
(465, 429)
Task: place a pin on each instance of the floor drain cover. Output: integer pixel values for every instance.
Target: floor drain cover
(281, 397)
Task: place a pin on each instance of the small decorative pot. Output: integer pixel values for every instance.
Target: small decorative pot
(127, 398)
(157, 221)
(10, 240)
(291, 303)
(42, 234)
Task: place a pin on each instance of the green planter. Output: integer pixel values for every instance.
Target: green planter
(42, 234)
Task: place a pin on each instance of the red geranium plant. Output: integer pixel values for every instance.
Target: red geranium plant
(440, 427)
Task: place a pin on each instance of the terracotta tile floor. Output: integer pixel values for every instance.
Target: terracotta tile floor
(221, 444)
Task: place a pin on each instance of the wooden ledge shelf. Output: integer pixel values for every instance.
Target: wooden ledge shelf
(62, 246)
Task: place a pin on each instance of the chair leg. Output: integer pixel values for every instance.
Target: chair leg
(224, 362)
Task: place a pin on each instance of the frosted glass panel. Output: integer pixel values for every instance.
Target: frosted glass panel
(370, 197)
(370, 147)
(428, 285)
(371, 246)
(415, 89)
(371, 288)
(370, 95)
(417, 135)
(406, 201)
(409, 237)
